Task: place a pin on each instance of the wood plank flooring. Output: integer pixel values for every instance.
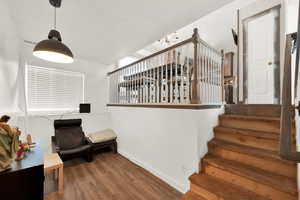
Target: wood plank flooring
(109, 177)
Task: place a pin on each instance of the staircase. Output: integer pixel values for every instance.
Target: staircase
(242, 161)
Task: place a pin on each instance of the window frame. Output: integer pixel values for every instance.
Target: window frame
(47, 111)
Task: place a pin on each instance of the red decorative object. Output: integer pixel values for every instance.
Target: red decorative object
(21, 152)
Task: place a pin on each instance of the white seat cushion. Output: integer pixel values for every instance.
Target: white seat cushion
(102, 136)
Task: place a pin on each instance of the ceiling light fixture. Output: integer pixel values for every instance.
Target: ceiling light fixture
(53, 49)
(169, 39)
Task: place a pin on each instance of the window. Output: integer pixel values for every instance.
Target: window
(126, 61)
(55, 90)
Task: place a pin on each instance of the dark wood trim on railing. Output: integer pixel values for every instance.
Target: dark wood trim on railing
(287, 110)
(169, 106)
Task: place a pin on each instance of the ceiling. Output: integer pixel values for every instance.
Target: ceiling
(105, 31)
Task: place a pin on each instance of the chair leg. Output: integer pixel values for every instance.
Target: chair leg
(89, 156)
(61, 180)
(115, 147)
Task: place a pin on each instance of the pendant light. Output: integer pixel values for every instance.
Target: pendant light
(53, 49)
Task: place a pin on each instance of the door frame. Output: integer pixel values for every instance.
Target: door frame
(253, 10)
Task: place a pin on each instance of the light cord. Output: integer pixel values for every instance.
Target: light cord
(55, 18)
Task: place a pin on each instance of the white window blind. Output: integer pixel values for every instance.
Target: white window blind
(49, 89)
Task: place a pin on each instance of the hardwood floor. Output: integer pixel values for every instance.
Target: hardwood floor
(109, 176)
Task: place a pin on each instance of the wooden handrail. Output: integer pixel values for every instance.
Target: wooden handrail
(287, 109)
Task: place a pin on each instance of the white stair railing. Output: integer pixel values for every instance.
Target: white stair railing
(190, 72)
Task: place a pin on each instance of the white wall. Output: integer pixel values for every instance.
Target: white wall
(9, 56)
(168, 143)
(292, 16)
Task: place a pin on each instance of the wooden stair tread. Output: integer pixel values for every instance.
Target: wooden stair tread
(278, 182)
(256, 123)
(246, 117)
(265, 154)
(246, 132)
(222, 189)
(191, 196)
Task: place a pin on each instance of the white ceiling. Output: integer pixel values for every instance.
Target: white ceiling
(108, 30)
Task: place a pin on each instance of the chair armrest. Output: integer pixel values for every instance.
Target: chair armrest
(88, 141)
(55, 148)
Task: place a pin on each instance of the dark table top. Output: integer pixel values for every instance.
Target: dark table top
(33, 158)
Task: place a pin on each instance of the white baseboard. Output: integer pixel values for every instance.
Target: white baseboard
(170, 181)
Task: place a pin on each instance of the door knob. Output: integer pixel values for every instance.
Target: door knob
(270, 63)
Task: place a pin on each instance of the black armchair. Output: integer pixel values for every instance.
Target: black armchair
(70, 141)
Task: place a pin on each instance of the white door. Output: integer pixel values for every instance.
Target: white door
(260, 59)
(261, 32)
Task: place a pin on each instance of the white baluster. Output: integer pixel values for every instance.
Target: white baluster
(157, 79)
(172, 64)
(160, 78)
(139, 82)
(152, 88)
(201, 72)
(187, 83)
(205, 75)
(128, 84)
(110, 89)
(182, 60)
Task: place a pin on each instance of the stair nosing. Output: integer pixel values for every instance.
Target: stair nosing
(250, 132)
(194, 195)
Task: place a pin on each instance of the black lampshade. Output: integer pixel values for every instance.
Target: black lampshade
(53, 49)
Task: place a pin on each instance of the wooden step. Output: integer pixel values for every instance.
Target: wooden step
(265, 124)
(191, 196)
(264, 110)
(263, 159)
(212, 188)
(261, 182)
(258, 139)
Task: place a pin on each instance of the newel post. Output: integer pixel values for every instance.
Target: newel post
(195, 86)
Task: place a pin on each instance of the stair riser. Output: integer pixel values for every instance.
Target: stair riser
(251, 124)
(254, 110)
(204, 193)
(274, 166)
(258, 188)
(261, 143)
